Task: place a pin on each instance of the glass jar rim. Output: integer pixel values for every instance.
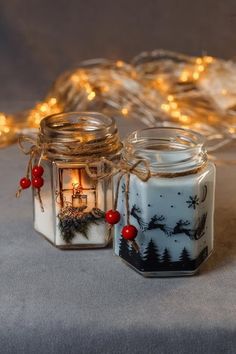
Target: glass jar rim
(200, 140)
(66, 123)
(76, 135)
(166, 149)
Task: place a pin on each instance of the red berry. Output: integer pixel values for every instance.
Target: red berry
(25, 183)
(129, 232)
(37, 171)
(37, 182)
(112, 216)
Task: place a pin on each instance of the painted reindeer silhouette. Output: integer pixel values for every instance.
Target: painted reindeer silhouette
(156, 223)
(134, 212)
(194, 234)
(181, 226)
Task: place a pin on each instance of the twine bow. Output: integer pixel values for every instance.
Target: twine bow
(140, 169)
(36, 147)
(122, 169)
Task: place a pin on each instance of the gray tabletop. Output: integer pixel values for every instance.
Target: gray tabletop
(54, 301)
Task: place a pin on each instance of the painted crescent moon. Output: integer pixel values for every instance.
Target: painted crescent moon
(204, 193)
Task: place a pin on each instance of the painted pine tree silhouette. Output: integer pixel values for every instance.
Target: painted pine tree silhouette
(136, 259)
(151, 256)
(124, 251)
(184, 259)
(166, 258)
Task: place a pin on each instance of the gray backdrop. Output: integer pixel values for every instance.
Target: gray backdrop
(57, 302)
(41, 38)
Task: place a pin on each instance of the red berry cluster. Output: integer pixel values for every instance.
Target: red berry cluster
(129, 232)
(37, 180)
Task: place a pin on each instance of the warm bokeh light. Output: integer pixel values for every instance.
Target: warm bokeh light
(158, 87)
(125, 111)
(91, 95)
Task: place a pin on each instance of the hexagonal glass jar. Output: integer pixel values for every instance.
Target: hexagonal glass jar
(173, 211)
(70, 210)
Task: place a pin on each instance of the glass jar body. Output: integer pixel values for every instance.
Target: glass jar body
(174, 215)
(74, 206)
(78, 151)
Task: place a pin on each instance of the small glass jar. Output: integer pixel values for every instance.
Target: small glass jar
(76, 149)
(173, 210)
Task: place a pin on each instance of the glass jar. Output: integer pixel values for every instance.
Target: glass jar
(173, 209)
(76, 149)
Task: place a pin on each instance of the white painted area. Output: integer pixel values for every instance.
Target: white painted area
(162, 196)
(43, 221)
(47, 222)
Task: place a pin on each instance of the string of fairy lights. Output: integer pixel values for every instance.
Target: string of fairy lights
(159, 88)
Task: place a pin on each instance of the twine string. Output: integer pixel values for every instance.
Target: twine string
(32, 152)
(117, 190)
(40, 200)
(92, 162)
(123, 169)
(61, 148)
(127, 198)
